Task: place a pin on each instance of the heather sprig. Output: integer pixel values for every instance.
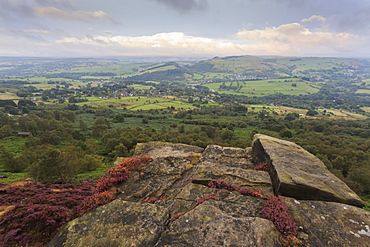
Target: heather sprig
(121, 173)
(263, 166)
(276, 211)
(220, 184)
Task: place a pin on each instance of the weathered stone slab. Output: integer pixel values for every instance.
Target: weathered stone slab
(119, 223)
(299, 174)
(207, 171)
(207, 225)
(325, 224)
(228, 156)
(154, 180)
(165, 149)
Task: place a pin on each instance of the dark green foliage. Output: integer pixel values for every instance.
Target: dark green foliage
(118, 118)
(9, 162)
(286, 133)
(312, 113)
(6, 102)
(23, 102)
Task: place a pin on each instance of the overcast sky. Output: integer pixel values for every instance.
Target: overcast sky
(204, 28)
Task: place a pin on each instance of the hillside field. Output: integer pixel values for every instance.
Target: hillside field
(136, 103)
(266, 87)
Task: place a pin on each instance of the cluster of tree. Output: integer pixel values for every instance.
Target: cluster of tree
(56, 152)
(23, 107)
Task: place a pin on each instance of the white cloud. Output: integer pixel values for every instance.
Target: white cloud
(314, 18)
(288, 39)
(98, 15)
(295, 38)
(37, 31)
(174, 42)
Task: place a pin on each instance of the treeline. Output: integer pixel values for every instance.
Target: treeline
(343, 145)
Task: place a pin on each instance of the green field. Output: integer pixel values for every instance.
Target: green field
(364, 91)
(119, 70)
(266, 87)
(137, 103)
(12, 96)
(139, 86)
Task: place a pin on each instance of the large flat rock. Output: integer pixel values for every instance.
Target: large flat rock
(207, 225)
(165, 149)
(325, 224)
(299, 174)
(119, 223)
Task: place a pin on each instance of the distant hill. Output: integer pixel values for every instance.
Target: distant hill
(274, 66)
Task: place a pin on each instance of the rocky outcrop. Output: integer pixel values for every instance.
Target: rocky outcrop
(119, 223)
(185, 210)
(299, 174)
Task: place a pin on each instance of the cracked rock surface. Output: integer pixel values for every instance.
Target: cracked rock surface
(186, 212)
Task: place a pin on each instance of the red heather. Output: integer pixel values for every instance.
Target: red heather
(41, 209)
(113, 177)
(95, 201)
(219, 184)
(152, 200)
(276, 211)
(121, 173)
(263, 166)
(205, 198)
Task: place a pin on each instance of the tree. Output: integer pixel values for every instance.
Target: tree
(291, 116)
(100, 126)
(361, 175)
(82, 125)
(181, 128)
(118, 118)
(311, 113)
(145, 120)
(5, 131)
(89, 163)
(9, 162)
(286, 133)
(55, 166)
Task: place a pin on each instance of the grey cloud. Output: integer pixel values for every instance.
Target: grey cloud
(18, 9)
(14, 9)
(62, 4)
(21, 34)
(185, 5)
(294, 3)
(358, 22)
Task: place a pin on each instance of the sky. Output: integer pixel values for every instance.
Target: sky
(184, 28)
